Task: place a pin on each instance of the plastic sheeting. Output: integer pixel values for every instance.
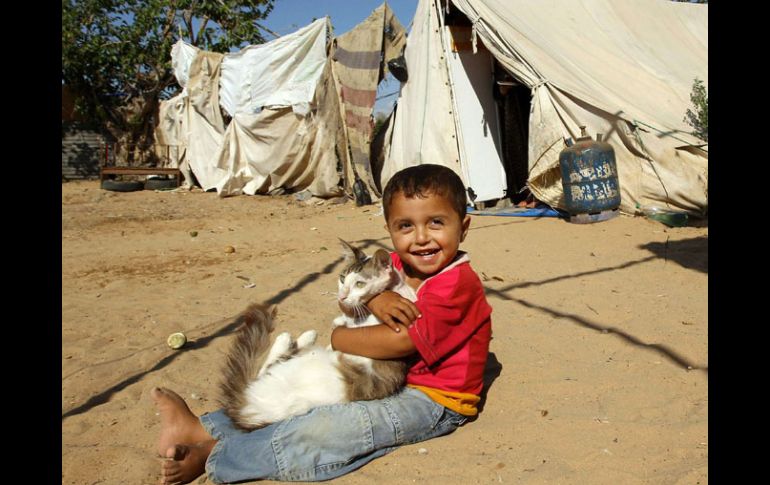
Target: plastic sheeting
(182, 55)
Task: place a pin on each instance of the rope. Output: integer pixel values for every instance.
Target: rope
(665, 133)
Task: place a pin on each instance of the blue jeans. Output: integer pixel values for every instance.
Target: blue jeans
(328, 441)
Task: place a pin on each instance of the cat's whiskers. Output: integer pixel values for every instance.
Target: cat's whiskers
(360, 311)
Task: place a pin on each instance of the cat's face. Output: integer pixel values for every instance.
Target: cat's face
(364, 277)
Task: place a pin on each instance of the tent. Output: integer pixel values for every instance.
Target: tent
(296, 109)
(496, 87)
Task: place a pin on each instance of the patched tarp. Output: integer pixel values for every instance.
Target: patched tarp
(285, 127)
(277, 150)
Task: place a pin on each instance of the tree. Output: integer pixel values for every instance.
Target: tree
(116, 54)
(699, 119)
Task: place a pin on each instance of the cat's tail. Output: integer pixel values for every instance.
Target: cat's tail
(243, 359)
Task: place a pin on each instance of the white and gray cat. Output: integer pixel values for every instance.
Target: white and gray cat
(298, 375)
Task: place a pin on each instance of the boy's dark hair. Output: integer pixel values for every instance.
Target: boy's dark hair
(425, 179)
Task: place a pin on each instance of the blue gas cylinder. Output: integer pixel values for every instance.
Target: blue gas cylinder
(589, 177)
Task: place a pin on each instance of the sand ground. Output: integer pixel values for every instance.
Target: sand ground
(598, 370)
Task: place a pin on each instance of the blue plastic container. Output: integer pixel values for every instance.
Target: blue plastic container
(589, 177)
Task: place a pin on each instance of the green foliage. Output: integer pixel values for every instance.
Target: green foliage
(699, 119)
(116, 54)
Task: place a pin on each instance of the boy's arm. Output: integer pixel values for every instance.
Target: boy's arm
(375, 342)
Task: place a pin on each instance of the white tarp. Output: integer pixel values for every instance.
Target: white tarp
(283, 72)
(623, 68)
(182, 55)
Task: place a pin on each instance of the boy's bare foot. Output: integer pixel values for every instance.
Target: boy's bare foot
(177, 423)
(185, 463)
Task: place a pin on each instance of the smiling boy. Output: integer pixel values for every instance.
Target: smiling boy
(446, 332)
(449, 326)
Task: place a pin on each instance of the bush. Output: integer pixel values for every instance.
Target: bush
(699, 119)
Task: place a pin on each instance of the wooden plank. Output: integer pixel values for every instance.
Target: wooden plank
(141, 171)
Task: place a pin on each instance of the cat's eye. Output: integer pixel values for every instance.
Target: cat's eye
(360, 284)
(342, 278)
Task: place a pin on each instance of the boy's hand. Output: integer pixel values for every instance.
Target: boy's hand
(393, 310)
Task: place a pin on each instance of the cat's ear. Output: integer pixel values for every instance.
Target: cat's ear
(351, 253)
(382, 258)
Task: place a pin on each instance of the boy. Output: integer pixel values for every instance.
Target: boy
(449, 327)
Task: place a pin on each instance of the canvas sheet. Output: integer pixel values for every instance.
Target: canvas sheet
(629, 77)
(170, 134)
(623, 68)
(423, 125)
(205, 127)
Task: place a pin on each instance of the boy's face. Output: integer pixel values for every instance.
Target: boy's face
(426, 232)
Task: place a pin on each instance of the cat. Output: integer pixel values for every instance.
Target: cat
(298, 375)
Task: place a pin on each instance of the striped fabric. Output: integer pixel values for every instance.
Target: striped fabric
(360, 58)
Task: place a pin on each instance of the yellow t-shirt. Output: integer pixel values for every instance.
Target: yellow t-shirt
(459, 402)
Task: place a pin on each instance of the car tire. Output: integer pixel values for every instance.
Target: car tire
(122, 185)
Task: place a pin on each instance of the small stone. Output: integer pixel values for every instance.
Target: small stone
(193, 233)
(422, 451)
(229, 249)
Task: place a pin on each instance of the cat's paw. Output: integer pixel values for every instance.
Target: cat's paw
(307, 338)
(282, 343)
(340, 321)
(281, 346)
